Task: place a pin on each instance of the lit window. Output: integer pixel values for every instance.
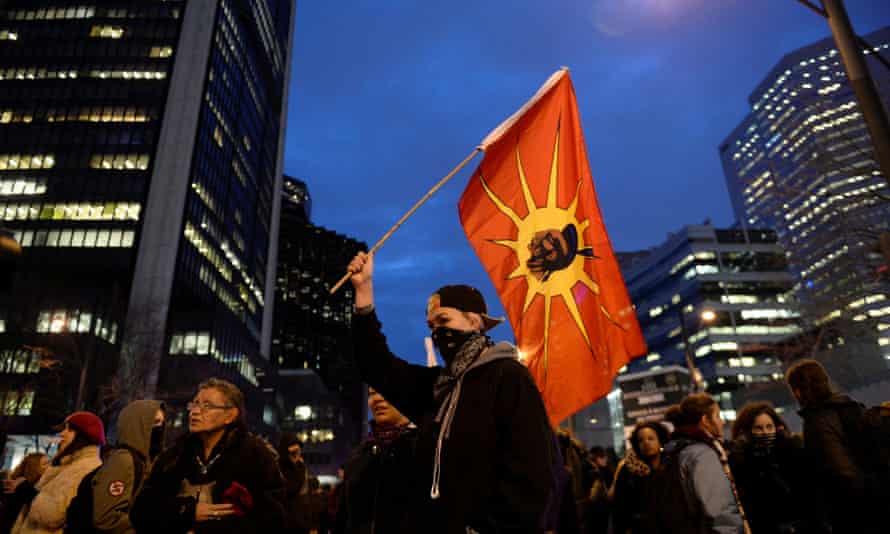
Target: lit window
(107, 32)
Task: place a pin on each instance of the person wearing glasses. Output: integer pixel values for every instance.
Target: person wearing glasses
(217, 478)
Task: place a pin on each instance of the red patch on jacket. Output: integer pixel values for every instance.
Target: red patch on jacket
(239, 497)
(116, 488)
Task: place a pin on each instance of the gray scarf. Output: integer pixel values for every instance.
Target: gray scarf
(477, 351)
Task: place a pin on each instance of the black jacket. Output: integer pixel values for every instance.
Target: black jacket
(244, 459)
(496, 465)
(775, 486)
(380, 482)
(852, 490)
(297, 503)
(633, 495)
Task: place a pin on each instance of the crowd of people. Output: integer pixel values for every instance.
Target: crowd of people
(681, 475)
(463, 449)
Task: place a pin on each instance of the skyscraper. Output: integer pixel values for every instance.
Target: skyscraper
(140, 164)
(801, 163)
(721, 295)
(323, 395)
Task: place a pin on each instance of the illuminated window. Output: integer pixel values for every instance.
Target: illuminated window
(107, 32)
(161, 51)
(217, 136)
(26, 161)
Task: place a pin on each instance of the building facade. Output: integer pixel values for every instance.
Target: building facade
(140, 160)
(721, 295)
(322, 395)
(801, 163)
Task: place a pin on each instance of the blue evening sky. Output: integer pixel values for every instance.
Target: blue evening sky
(387, 96)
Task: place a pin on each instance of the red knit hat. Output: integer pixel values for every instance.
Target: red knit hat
(88, 424)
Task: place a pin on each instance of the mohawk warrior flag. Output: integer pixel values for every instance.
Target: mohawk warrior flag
(531, 213)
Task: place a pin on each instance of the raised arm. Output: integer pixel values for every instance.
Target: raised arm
(406, 386)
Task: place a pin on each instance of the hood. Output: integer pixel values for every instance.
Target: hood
(498, 351)
(135, 422)
(838, 401)
(686, 435)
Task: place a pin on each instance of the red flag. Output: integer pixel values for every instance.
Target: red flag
(530, 211)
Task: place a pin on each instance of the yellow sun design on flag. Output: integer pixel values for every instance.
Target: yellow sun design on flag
(550, 269)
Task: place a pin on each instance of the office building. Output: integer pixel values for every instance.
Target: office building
(802, 163)
(721, 295)
(322, 395)
(140, 164)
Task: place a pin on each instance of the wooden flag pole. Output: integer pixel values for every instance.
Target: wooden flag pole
(405, 217)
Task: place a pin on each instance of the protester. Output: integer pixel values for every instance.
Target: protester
(632, 489)
(218, 478)
(104, 498)
(334, 499)
(381, 480)
(296, 480)
(31, 468)
(485, 445)
(693, 490)
(46, 502)
(769, 467)
(575, 495)
(596, 515)
(855, 483)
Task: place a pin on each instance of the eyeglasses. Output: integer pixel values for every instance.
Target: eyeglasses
(206, 406)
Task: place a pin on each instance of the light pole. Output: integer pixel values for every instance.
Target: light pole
(848, 44)
(706, 316)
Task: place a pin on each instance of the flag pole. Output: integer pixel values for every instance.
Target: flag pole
(405, 217)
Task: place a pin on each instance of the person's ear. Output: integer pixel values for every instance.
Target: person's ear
(478, 324)
(232, 415)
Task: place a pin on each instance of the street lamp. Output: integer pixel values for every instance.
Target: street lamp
(706, 316)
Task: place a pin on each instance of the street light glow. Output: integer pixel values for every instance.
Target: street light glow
(708, 316)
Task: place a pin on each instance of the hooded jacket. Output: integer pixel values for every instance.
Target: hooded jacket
(56, 488)
(711, 505)
(831, 430)
(115, 485)
(494, 442)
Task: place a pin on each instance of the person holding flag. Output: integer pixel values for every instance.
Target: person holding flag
(485, 448)
(531, 214)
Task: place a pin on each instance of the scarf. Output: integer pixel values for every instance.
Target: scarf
(385, 434)
(447, 388)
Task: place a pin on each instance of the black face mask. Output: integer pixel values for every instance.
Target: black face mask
(156, 441)
(449, 341)
(764, 441)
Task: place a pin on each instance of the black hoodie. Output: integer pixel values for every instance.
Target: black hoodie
(832, 434)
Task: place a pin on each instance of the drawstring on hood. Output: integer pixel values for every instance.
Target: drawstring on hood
(477, 351)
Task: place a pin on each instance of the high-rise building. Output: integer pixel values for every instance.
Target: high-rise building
(140, 164)
(720, 294)
(322, 395)
(802, 163)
